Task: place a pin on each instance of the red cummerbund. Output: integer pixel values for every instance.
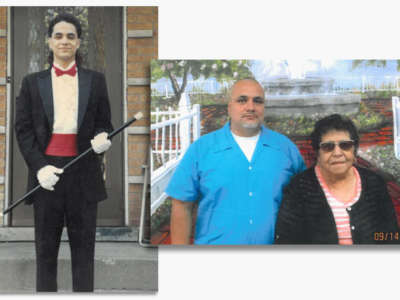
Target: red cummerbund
(62, 145)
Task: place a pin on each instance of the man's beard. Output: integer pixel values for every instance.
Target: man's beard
(251, 125)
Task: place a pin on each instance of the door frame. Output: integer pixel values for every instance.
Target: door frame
(125, 113)
(8, 153)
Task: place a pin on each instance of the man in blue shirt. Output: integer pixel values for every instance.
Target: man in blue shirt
(236, 174)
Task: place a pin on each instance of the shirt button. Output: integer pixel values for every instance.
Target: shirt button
(250, 168)
(250, 194)
(353, 227)
(348, 209)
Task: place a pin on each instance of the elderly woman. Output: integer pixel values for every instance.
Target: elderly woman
(336, 202)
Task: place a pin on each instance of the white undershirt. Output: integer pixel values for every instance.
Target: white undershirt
(247, 144)
(65, 101)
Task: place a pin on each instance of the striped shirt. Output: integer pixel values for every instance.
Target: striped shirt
(340, 209)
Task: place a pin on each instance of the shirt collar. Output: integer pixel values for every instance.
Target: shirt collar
(269, 138)
(64, 69)
(226, 140)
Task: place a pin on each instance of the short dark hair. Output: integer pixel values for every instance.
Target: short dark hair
(65, 17)
(334, 122)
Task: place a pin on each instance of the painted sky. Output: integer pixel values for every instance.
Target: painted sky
(341, 70)
(344, 75)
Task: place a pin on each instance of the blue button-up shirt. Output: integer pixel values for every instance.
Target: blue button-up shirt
(238, 200)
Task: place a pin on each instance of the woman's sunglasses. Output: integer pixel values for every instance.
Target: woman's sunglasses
(330, 146)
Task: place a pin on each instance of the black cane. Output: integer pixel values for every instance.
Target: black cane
(138, 116)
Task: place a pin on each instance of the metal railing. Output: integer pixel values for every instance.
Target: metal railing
(171, 134)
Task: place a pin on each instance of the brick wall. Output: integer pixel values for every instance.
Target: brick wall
(142, 43)
(3, 100)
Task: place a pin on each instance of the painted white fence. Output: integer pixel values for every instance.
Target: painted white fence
(366, 83)
(193, 87)
(361, 83)
(171, 134)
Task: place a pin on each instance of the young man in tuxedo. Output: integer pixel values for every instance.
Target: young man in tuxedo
(61, 112)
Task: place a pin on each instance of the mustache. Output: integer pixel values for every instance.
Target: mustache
(249, 115)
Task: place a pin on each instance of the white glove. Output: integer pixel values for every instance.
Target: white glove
(101, 143)
(47, 176)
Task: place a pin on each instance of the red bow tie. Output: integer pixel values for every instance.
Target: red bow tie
(70, 72)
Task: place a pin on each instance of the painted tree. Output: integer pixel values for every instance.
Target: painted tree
(177, 71)
(372, 62)
(375, 63)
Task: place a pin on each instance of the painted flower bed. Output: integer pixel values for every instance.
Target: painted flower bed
(162, 216)
(384, 159)
(366, 119)
(215, 116)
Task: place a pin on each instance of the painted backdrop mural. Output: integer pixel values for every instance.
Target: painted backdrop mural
(189, 99)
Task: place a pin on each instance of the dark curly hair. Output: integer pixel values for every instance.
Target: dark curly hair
(65, 17)
(334, 122)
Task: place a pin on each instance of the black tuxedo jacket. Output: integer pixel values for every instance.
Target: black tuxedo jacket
(34, 126)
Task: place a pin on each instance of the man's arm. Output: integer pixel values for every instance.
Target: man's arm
(100, 142)
(25, 130)
(289, 227)
(103, 113)
(181, 222)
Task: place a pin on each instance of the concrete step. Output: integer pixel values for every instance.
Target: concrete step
(119, 267)
(103, 234)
